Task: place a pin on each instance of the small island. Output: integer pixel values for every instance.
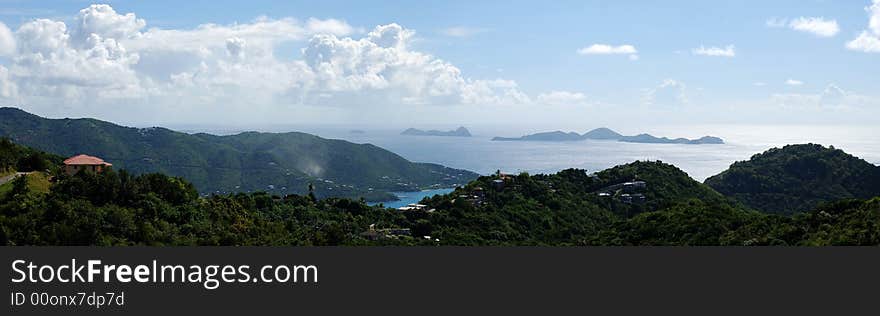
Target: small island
(459, 132)
(608, 134)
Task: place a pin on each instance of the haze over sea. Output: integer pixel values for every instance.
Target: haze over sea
(480, 154)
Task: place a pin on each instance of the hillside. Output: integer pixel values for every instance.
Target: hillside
(280, 163)
(15, 157)
(797, 178)
(562, 209)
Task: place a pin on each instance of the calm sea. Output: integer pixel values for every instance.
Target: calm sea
(480, 154)
(484, 156)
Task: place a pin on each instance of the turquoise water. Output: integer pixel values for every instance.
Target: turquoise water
(412, 197)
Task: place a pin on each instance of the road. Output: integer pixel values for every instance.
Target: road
(10, 177)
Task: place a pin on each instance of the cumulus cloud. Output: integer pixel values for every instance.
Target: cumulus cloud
(604, 49)
(329, 26)
(206, 37)
(818, 26)
(670, 92)
(562, 98)
(53, 60)
(8, 88)
(869, 40)
(103, 57)
(103, 21)
(235, 47)
(382, 64)
(793, 82)
(390, 36)
(728, 51)
(7, 41)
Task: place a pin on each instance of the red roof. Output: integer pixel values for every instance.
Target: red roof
(86, 160)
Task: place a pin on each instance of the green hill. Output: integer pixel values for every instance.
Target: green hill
(666, 184)
(565, 208)
(275, 162)
(797, 178)
(562, 209)
(15, 157)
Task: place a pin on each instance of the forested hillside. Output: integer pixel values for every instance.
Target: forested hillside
(278, 163)
(14, 157)
(797, 178)
(642, 203)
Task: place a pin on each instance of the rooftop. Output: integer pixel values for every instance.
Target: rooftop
(86, 160)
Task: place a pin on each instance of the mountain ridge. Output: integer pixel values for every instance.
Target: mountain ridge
(604, 133)
(248, 161)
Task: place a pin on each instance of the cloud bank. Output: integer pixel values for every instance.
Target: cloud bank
(104, 60)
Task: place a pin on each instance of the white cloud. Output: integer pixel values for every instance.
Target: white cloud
(793, 82)
(602, 49)
(102, 20)
(8, 88)
(869, 40)
(329, 26)
(794, 100)
(670, 92)
(51, 61)
(263, 31)
(104, 57)
(818, 26)
(462, 31)
(865, 42)
(728, 51)
(382, 64)
(562, 98)
(832, 97)
(235, 47)
(7, 41)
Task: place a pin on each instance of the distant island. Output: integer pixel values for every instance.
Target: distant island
(459, 132)
(608, 134)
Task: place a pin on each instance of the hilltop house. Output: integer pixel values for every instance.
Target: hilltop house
(88, 163)
(634, 186)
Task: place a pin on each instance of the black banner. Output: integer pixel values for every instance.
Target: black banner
(444, 280)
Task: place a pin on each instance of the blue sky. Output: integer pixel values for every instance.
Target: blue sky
(774, 61)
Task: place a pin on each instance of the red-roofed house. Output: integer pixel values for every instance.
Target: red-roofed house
(84, 162)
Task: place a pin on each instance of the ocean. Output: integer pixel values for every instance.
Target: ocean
(481, 155)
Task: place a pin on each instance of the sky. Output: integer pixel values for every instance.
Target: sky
(553, 64)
